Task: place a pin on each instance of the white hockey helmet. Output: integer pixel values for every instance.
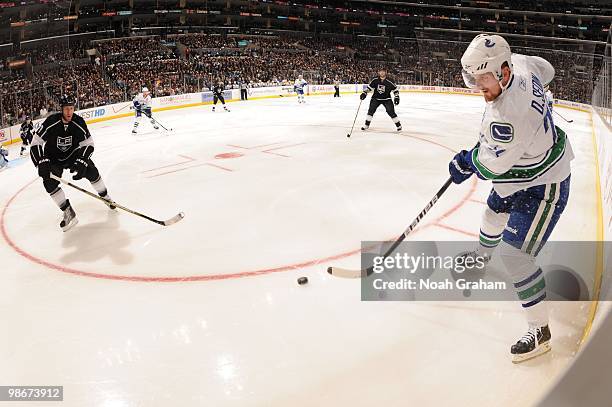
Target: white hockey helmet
(486, 53)
(145, 89)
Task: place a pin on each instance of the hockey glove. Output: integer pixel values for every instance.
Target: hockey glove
(459, 168)
(396, 100)
(44, 169)
(79, 168)
(363, 95)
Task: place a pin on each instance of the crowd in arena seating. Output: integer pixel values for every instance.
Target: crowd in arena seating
(124, 65)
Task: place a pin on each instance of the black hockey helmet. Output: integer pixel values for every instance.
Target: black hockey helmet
(66, 100)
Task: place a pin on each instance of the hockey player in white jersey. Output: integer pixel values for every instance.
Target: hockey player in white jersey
(528, 160)
(549, 98)
(3, 158)
(142, 105)
(298, 87)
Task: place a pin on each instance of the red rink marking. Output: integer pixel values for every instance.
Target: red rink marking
(478, 201)
(254, 147)
(464, 232)
(189, 159)
(216, 166)
(178, 279)
(228, 155)
(269, 151)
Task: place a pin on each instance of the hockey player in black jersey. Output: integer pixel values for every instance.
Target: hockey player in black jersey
(217, 90)
(63, 142)
(25, 131)
(382, 89)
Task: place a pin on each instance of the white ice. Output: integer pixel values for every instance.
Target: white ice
(272, 191)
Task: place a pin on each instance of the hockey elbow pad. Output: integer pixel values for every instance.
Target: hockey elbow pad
(86, 152)
(36, 154)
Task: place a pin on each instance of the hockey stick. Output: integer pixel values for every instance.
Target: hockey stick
(569, 121)
(354, 121)
(152, 118)
(162, 126)
(348, 273)
(168, 222)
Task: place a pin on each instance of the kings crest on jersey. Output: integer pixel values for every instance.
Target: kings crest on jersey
(64, 143)
(520, 146)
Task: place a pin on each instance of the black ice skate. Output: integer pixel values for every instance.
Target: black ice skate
(534, 343)
(70, 219)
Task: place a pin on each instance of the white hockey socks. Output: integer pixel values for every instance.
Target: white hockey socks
(529, 283)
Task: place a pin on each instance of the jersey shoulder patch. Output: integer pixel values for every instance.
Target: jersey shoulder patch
(502, 132)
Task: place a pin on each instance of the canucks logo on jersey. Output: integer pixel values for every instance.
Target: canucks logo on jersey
(502, 132)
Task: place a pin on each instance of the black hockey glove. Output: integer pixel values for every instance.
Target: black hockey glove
(79, 168)
(363, 95)
(396, 100)
(44, 169)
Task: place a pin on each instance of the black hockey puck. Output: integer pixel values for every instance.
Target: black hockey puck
(302, 280)
(348, 135)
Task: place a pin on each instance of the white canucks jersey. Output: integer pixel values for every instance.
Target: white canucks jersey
(143, 102)
(520, 146)
(299, 84)
(550, 99)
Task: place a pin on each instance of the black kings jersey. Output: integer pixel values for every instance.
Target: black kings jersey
(382, 88)
(60, 140)
(218, 89)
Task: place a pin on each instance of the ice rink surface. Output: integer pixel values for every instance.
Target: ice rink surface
(123, 312)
